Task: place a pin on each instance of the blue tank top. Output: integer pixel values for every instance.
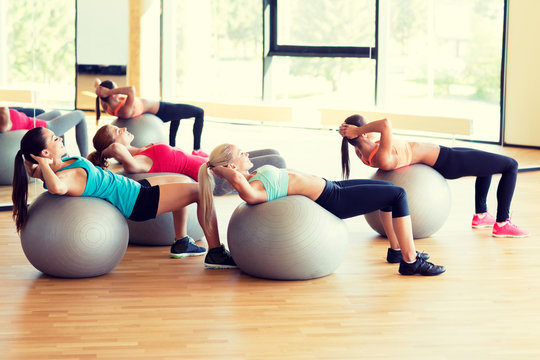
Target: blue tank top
(274, 180)
(119, 190)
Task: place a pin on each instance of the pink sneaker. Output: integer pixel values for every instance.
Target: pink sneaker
(485, 222)
(199, 153)
(509, 230)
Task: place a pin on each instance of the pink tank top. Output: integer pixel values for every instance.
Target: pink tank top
(172, 159)
(401, 148)
(138, 107)
(20, 121)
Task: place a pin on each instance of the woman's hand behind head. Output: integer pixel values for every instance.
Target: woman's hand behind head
(348, 131)
(103, 92)
(41, 160)
(220, 171)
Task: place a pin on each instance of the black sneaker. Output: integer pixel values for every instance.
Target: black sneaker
(185, 247)
(395, 256)
(219, 258)
(420, 266)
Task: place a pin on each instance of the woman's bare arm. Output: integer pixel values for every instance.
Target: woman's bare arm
(127, 110)
(33, 170)
(245, 190)
(55, 185)
(5, 121)
(384, 158)
(130, 163)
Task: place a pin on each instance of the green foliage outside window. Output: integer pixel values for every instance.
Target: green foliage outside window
(41, 41)
(343, 24)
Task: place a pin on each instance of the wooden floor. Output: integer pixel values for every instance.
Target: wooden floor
(486, 306)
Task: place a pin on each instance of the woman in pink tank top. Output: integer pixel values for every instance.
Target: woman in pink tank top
(113, 142)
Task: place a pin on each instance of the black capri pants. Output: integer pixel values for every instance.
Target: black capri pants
(174, 113)
(454, 163)
(349, 198)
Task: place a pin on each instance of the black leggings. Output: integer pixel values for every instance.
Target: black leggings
(350, 198)
(60, 123)
(454, 163)
(176, 112)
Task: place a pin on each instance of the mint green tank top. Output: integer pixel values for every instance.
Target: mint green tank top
(274, 180)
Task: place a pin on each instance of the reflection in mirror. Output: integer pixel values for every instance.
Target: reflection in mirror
(37, 65)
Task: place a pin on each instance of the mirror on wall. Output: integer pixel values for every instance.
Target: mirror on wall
(102, 46)
(37, 62)
(50, 54)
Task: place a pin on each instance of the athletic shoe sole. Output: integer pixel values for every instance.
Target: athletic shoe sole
(215, 266)
(510, 236)
(482, 226)
(180, 256)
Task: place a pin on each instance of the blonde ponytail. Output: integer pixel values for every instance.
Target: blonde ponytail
(221, 156)
(206, 188)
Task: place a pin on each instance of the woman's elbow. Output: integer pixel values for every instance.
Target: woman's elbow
(386, 167)
(4, 124)
(251, 200)
(387, 124)
(384, 163)
(57, 190)
(132, 169)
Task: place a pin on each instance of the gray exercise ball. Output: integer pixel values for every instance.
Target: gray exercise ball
(291, 238)
(74, 237)
(146, 129)
(10, 143)
(160, 231)
(428, 195)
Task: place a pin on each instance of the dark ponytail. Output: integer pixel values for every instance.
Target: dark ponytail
(356, 120)
(96, 158)
(106, 84)
(32, 142)
(345, 163)
(98, 110)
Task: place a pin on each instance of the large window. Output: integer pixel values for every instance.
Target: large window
(427, 57)
(37, 50)
(443, 57)
(322, 54)
(322, 28)
(323, 82)
(212, 50)
(326, 23)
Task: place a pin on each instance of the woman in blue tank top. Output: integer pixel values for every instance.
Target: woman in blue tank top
(41, 156)
(342, 198)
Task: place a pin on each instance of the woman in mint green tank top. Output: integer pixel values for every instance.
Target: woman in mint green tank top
(41, 156)
(344, 199)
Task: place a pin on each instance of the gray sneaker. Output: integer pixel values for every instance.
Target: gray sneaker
(186, 247)
(219, 258)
